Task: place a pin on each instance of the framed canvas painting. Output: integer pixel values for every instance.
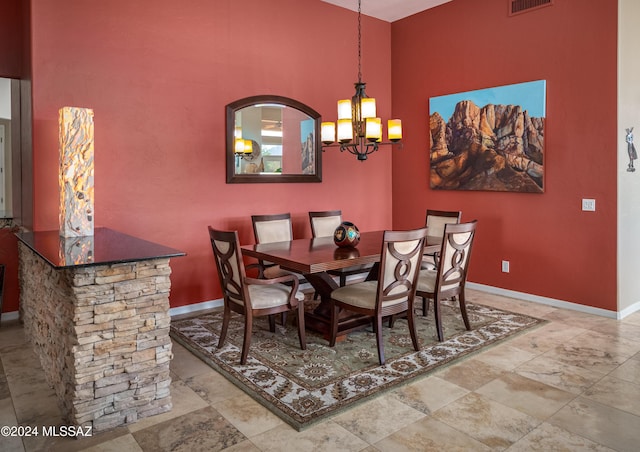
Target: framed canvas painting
(489, 139)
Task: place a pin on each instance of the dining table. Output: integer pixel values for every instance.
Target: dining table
(314, 257)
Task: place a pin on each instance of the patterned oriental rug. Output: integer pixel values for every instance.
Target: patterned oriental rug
(305, 387)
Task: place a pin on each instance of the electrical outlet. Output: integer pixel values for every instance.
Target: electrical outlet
(589, 205)
(505, 266)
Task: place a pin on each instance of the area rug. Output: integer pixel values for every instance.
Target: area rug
(305, 387)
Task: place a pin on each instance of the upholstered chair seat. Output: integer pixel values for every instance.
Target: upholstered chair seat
(271, 296)
(252, 297)
(449, 279)
(392, 293)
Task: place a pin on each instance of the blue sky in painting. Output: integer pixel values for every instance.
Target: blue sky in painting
(531, 96)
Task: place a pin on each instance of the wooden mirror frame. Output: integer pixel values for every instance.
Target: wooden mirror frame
(232, 108)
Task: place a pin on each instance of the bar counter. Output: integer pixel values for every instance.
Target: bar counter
(96, 310)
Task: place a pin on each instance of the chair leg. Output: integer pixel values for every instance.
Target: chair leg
(248, 326)
(301, 331)
(343, 280)
(463, 311)
(425, 306)
(438, 316)
(272, 323)
(377, 326)
(334, 324)
(225, 325)
(412, 328)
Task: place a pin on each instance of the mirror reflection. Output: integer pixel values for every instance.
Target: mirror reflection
(272, 139)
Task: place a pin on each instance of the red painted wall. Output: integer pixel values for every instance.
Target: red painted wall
(11, 38)
(555, 249)
(158, 78)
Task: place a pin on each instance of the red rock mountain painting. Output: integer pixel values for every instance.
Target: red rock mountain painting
(495, 147)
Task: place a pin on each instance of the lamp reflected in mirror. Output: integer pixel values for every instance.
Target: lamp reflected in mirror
(272, 139)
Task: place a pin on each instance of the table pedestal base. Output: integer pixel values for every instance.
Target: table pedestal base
(319, 319)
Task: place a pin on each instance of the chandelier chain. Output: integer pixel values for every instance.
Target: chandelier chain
(359, 44)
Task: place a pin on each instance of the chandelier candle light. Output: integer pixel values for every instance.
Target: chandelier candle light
(359, 130)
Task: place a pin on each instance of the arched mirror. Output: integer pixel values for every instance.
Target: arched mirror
(272, 139)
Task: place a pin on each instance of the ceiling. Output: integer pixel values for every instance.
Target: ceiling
(388, 10)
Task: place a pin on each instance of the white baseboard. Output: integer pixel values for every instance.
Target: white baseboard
(14, 315)
(556, 303)
(188, 309)
(10, 316)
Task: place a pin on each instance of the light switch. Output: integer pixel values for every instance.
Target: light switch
(589, 205)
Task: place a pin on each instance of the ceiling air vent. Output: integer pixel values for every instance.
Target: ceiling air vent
(524, 6)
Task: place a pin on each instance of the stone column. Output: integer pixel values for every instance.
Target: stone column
(102, 335)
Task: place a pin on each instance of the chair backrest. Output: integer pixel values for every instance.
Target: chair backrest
(437, 219)
(454, 257)
(231, 271)
(399, 265)
(324, 224)
(272, 228)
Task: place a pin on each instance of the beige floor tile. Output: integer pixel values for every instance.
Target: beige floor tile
(185, 364)
(605, 425)
(247, 415)
(616, 393)
(4, 385)
(429, 394)
(125, 443)
(525, 395)
(428, 435)
(511, 304)
(326, 436)
(620, 329)
(200, 430)
(75, 444)
(548, 437)
(593, 352)
(614, 344)
(244, 446)
(632, 318)
(12, 337)
(505, 356)
(8, 418)
(184, 401)
(546, 337)
(378, 418)
(560, 375)
(213, 387)
(489, 422)
(629, 370)
(577, 319)
(470, 374)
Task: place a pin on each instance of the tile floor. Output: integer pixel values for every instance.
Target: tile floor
(571, 385)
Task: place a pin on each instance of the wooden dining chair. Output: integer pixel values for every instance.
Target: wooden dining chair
(451, 275)
(324, 224)
(252, 297)
(394, 291)
(269, 229)
(435, 222)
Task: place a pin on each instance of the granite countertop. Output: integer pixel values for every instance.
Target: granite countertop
(106, 246)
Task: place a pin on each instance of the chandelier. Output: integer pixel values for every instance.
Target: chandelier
(359, 130)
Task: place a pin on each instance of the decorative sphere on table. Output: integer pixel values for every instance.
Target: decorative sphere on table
(347, 234)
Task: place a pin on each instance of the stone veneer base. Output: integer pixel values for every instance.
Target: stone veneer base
(102, 336)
